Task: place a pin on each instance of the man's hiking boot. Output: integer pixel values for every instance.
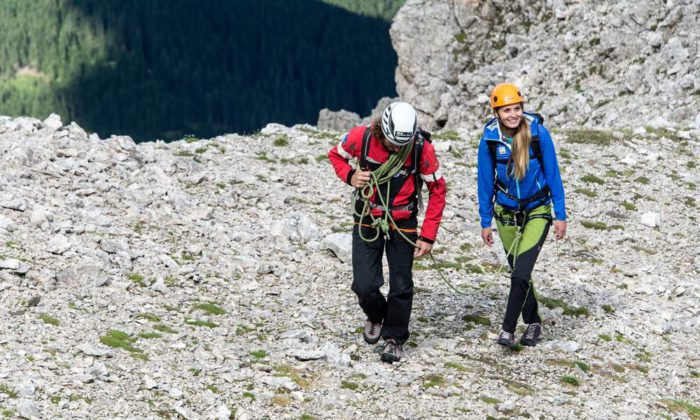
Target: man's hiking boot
(392, 351)
(372, 332)
(532, 334)
(506, 339)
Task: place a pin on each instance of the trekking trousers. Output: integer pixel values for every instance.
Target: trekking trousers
(522, 298)
(367, 276)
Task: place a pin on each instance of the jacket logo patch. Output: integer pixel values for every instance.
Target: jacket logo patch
(501, 150)
(345, 138)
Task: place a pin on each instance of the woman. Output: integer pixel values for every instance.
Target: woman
(518, 182)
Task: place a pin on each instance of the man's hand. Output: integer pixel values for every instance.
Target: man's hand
(559, 229)
(487, 236)
(360, 178)
(422, 248)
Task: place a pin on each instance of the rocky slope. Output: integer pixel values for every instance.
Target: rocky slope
(581, 63)
(195, 280)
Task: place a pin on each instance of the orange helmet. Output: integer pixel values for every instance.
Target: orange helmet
(505, 94)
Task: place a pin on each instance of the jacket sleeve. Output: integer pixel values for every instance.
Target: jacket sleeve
(348, 148)
(552, 175)
(485, 183)
(431, 174)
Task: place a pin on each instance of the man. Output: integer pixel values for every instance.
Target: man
(386, 217)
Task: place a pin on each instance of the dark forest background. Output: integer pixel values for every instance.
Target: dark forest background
(169, 68)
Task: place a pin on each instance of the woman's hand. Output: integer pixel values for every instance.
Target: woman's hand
(487, 236)
(559, 229)
(422, 248)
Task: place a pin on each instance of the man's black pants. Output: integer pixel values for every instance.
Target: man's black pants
(395, 310)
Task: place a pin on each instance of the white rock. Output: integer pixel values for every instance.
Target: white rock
(650, 219)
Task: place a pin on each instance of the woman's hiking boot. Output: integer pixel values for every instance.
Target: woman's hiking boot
(506, 339)
(532, 334)
(392, 351)
(372, 332)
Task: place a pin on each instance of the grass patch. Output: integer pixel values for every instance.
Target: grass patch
(476, 319)
(608, 308)
(281, 141)
(120, 340)
(591, 224)
(605, 337)
(586, 192)
(150, 335)
(643, 180)
(433, 380)
(259, 354)
(583, 136)
(290, 372)
(582, 365)
(8, 391)
(148, 316)
(629, 206)
(553, 303)
(165, 329)
(678, 406)
(48, 319)
(570, 380)
(210, 308)
(201, 323)
(490, 400)
(249, 395)
(137, 279)
(455, 366)
(450, 135)
(592, 179)
(352, 386)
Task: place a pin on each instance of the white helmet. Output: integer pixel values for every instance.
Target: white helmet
(399, 123)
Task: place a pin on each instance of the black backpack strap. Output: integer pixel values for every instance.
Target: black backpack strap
(536, 150)
(422, 137)
(365, 148)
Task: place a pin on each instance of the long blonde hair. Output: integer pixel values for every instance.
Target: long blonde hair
(520, 151)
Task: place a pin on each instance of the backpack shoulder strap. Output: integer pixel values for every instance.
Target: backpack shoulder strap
(536, 150)
(365, 148)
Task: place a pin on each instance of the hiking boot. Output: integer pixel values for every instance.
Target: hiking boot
(392, 351)
(372, 332)
(506, 339)
(532, 334)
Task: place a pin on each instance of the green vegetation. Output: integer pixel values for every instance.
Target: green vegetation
(586, 192)
(603, 138)
(605, 337)
(8, 391)
(476, 319)
(592, 179)
(170, 68)
(433, 380)
(570, 380)
(121, 340)
(643, 180)
(629, 206)
(210, 308)
(259, 354)
(678, 406)
(349, 385)
(489, 400)
(48, 319)
(137, 278)
(201, 323)
(552, 303)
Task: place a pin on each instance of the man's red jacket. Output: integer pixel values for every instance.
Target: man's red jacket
(350, 146)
